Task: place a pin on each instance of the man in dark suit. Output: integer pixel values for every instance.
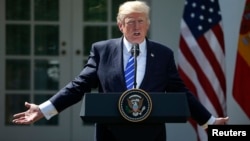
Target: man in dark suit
(156, 72)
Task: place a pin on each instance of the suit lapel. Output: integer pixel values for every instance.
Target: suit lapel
(149, 63)
(118, 60)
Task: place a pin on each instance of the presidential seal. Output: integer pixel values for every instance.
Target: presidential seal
(135, 105)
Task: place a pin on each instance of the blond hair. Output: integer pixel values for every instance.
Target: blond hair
(129, 7)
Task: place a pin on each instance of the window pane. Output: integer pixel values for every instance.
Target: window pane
(46, 75)
(54, 120)
(17, 74)
(93, 34)
(14, 103)
(116, 33)
(17, 9)
(95, 10)
(17, 39)
(47, 10)
(46, 40)
(115, 7)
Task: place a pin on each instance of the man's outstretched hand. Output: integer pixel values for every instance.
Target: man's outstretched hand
(221, 120)
(30, 116)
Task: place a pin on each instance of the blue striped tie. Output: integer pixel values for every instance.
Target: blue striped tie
(129, 72)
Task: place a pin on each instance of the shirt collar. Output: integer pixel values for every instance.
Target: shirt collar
(128, 46)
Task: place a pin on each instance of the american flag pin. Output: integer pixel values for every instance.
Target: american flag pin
(152, 55)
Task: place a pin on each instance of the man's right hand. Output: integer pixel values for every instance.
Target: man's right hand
(30, 116)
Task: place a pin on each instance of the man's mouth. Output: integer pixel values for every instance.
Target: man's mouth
(137, 33)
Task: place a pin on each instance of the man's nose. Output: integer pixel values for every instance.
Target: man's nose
(137, 24)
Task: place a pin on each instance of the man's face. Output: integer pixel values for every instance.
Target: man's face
(134, 27)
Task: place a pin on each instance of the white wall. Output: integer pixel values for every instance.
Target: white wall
(165, 28)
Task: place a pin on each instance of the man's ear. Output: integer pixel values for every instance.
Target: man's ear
(120, 26)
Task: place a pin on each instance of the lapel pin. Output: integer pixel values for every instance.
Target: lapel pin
(152, 55)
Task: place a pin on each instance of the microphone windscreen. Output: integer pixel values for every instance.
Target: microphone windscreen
(135, 49)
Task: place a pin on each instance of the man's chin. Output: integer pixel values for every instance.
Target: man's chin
(137, 40)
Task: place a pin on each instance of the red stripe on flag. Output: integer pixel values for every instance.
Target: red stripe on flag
(189, 83)
(206, 85)
(213, 62)
(191, 87)
(194, 124)
(219, 35)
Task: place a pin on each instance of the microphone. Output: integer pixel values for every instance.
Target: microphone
(135, 52)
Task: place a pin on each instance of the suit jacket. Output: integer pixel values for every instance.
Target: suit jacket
(105, 70)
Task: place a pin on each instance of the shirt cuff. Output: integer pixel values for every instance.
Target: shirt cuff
(48, 109)
(209, 122)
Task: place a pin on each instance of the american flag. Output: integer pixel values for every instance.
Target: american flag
(201, 57)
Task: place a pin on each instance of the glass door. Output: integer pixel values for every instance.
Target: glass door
(35, 41)
(93, 20)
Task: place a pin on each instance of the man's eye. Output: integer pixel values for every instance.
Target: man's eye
(130, 22)
(141, 21)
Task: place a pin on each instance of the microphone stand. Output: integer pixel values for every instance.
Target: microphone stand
(135, 52)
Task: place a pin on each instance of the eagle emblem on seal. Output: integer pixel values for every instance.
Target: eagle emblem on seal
(135, 103)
